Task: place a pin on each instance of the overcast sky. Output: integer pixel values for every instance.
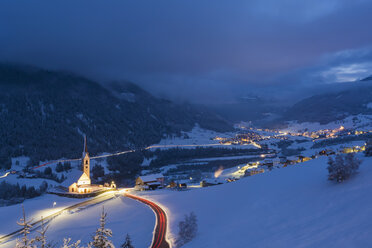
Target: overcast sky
(193, 50)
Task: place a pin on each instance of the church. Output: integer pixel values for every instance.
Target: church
(83, 184)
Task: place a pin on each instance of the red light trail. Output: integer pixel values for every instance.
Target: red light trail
(159, 240)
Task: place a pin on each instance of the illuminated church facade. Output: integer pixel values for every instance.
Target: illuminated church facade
(83, 185)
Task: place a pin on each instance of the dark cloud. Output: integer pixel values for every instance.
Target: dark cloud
(196, 50)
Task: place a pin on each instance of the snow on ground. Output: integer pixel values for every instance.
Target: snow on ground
(199, 137)
(146, 162)
(124, 216)
(362, 122)
(18, 163)
(295, 206)
(35, 208)
(36, 182)
(224, 158)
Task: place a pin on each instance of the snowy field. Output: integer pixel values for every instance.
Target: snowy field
(362, 122)
(124, 216)
(290, 207)
(200, 137)
(35, 208)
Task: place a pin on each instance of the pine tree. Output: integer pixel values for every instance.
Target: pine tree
(127, 243)
(100, 240)
(59, 167)
(48, 171)
(26, 226)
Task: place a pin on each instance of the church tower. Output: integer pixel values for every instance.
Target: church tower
(85, 159)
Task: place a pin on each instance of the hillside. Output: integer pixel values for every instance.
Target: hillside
(324, 108)
(367, 78)
(43, 115)
(295, 206)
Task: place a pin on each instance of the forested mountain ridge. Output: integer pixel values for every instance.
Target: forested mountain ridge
(43, 115)
(327, 107)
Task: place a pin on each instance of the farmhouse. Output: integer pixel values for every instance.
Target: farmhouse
(153, 181)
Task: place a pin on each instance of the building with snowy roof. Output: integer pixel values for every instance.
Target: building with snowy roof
(150, 181)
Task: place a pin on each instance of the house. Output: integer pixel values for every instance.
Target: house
(172, 185)
(283, 159)
(269, 163)
(178, 186)
(153, 181)
(254, 172)
(209, 182)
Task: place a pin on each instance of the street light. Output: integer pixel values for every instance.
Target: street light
(54, 204)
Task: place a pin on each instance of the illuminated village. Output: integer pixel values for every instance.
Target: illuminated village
(185, 124)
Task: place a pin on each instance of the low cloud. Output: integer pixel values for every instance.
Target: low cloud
(191, 50)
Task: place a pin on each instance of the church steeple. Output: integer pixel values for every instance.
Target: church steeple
(85, 159)
(85, 144)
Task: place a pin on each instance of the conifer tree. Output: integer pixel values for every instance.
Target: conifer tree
(101, 238)
(127, 243)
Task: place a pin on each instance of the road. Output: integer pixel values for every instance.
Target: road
(159, 239)
(99, 199)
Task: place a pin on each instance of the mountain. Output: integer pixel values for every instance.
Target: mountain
(337, 105)
(250, 108)
(44, 114)
(367, 78)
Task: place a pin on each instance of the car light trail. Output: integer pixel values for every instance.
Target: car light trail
(121, 153)
(159, 240)
(5, 175)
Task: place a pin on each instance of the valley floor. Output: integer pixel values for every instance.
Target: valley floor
(294, 206)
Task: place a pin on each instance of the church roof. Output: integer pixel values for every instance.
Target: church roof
(84, 177)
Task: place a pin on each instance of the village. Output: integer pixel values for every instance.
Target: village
(263, 139)
(268, 153)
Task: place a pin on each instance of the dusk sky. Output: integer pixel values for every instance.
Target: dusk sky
(193, 50)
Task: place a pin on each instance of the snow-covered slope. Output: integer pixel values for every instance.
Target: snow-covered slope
(359, 122)
(197, 137)
(291, 207)
(124, 216)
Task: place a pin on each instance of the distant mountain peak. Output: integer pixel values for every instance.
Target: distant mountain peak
(367, 78)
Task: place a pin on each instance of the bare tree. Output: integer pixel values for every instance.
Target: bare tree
(26, 226)
(41, 238)
(188, 229)
(67, 243)
(342, 167)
